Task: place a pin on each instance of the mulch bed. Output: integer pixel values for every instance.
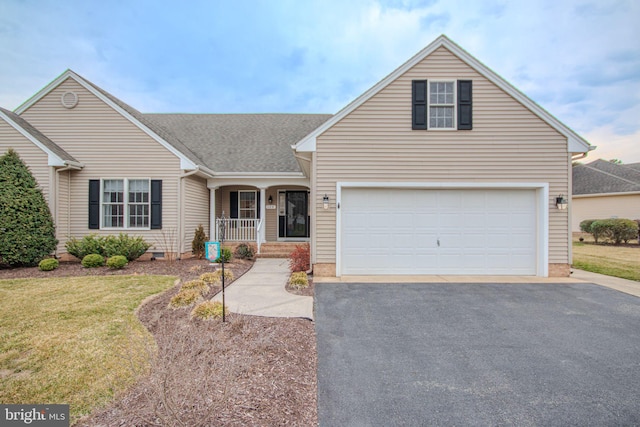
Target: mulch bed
(248, 371)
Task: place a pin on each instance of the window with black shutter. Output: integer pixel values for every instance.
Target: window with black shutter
(464, 105)
(441, 104)
(419, 104)
(125, 204)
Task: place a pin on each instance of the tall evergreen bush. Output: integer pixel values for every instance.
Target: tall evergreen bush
(27, 232)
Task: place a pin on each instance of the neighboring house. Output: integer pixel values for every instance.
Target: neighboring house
(440, 168)
(603, 189)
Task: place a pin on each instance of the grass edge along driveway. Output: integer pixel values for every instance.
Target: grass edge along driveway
(73, 340)
(617, 261)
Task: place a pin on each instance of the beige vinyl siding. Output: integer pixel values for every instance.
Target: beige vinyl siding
(36, 159)
(375, 142)
(109, 146)
(271, 220)
(196, 208)
(603, 207)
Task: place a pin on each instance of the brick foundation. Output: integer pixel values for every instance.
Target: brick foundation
(324, 270)
(559, 270)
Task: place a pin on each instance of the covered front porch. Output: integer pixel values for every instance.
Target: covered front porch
(258, 214)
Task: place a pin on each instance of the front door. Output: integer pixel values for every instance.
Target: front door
(293, 209)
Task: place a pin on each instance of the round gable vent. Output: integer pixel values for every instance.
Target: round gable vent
(69, 99)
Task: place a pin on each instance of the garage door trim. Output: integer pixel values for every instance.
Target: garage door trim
(542, 214)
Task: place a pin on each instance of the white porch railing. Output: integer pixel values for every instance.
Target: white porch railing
(239, 230)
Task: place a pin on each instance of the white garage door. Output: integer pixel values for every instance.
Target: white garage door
(419, 231)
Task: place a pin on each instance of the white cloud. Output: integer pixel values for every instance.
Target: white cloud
(613, 146)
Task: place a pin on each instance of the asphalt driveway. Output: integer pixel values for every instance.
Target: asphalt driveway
(477, 354)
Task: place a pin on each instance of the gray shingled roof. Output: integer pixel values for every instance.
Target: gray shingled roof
(27, 127)
(241, 142)
(634, 166)
(601, 176)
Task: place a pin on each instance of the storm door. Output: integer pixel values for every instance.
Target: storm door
(293, 214)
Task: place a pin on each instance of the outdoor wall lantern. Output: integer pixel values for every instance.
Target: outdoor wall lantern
(270, 200)
(561, 202)
(325, 202)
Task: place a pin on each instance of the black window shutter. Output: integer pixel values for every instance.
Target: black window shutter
(419, 104)
(258, 204)
(464, 105)
(233, 202)
(156, 204)
(94, 204)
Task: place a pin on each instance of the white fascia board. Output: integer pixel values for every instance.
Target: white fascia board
(52, 158)
(575, 143)
(586, 196)
(259, 182)
(185, 163)
(307, 145)
(254, 175)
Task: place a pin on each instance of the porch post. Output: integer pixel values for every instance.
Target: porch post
(263, 214)
(213, 230)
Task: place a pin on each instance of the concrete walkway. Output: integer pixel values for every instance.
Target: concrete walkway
(630, 287)
(261, 292)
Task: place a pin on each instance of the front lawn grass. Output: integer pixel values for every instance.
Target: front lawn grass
(73, 340)
(618, 261)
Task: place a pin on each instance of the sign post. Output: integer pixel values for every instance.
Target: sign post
(221, 256)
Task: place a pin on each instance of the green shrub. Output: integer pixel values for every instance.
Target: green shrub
(586, 225)
(225, 254)
(117, 262)
(93, 260)
(199, 239)
(48, 264)
(616, 230)
(27, 232)
(299, 280)
(243, 251)
(89, 244)
(184, 298)
(208, 310)
(198, 285)
(299, 259)
(131, 248)
(622, 230)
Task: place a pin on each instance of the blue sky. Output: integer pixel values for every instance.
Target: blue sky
(580, 60)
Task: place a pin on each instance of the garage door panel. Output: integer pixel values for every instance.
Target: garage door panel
(480, 231)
